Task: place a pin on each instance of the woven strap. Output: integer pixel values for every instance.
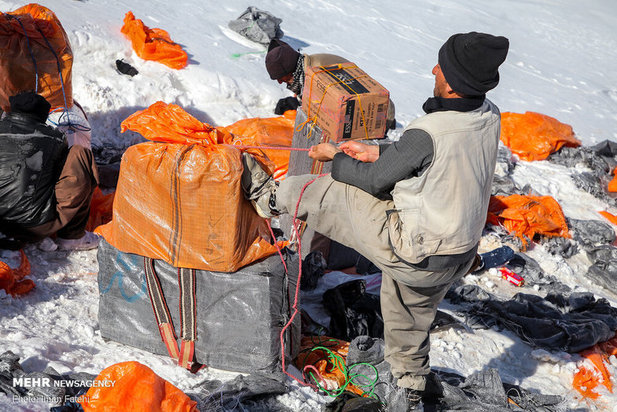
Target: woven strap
(188, 311)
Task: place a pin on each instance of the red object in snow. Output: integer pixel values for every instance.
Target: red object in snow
(511, 277)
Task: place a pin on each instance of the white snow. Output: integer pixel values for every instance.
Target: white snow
(561, 62)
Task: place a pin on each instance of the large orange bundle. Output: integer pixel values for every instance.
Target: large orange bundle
(273, 132)
(131, 386)
(181, 201)
(33, 43)
(526, 216)
(153, 44)
(534, 136)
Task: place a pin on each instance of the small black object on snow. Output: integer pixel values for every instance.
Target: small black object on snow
(125, 68)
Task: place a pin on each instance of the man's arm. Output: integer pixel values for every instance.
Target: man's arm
(408, 157)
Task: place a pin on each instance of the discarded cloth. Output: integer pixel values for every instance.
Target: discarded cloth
(257, 25)
(560, 322)
(603, 270)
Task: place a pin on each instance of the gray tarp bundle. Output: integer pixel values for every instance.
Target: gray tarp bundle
(239, 315)
(560, 322)
(257, 25)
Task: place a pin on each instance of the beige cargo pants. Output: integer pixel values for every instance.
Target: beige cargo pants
(409, 297)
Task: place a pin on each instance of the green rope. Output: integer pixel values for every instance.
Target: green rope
(237, 55)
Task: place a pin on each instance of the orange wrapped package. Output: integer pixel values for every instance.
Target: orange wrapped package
(153, 44)
(534, 136)
(526, 216)
(101, 209)
(181, 201)
(36, 55)
(12, 280)
(274, 132)
(131, 386)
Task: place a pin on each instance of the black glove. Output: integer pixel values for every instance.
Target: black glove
(287, 103)
(125, 68)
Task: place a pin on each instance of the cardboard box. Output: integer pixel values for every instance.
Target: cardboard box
(345, 102)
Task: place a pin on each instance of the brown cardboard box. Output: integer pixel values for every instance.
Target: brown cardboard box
(345, 102)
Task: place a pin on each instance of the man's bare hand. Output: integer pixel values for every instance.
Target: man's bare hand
(361, 151)
(324, 152)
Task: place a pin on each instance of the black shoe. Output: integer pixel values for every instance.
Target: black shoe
(259, 187)
(414, 399)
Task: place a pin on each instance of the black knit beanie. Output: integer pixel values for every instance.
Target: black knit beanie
(470, 61)
(30, 103)
(281, 59)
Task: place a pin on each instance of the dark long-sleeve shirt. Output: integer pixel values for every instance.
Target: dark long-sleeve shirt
(397, 161)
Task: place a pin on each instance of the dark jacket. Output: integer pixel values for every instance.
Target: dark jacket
(32, 155)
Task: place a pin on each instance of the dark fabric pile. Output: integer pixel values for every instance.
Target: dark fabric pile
(568, 322)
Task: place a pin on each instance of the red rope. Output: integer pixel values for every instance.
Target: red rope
(272, 148)
(297, 292)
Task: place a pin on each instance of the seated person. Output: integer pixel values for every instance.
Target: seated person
(45, 187)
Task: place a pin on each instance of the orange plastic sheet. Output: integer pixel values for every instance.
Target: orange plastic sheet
(322, 360)
(181, 201)
(526, 216)
(101, 209)
(611, 217)
(586, 380)
(534, 136)
(153, 44)
(273, 132)
(12, 280)
(26, 60)
(612, 185)
(131, 386)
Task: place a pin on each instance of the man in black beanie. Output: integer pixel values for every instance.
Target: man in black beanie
(45, 187)
(416, 208)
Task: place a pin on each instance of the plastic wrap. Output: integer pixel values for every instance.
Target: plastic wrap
(239, 315)
(525, 216)
(534, 136)
(273, 131)
(135, 388)
(183, 202)
(24, 36)
(153, 44)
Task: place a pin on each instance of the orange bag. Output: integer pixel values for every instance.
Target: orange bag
(182, 201)
(101, 209)
(153, 44)
(585, 380)
(534, 136)
(24, 36)
(274, 131)
(526, 216)
(12, 280)
(131, 386)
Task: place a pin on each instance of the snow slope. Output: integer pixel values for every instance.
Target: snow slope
(561, 63)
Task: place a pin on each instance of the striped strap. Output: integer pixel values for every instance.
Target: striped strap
(188, 316)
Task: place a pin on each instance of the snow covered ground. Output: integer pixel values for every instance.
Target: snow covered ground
(562, 60)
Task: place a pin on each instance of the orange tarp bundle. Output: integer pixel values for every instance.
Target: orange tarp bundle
(131, 386)
(12, 280)
(101, 209)
(526, 216)
(181, 201)
(153, 44)
(534, 136)
(25, 56)
(585, 380)
(274, 131)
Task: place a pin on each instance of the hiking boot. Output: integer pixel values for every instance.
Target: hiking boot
(88, 241)
(259, 187)
(414, 400)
